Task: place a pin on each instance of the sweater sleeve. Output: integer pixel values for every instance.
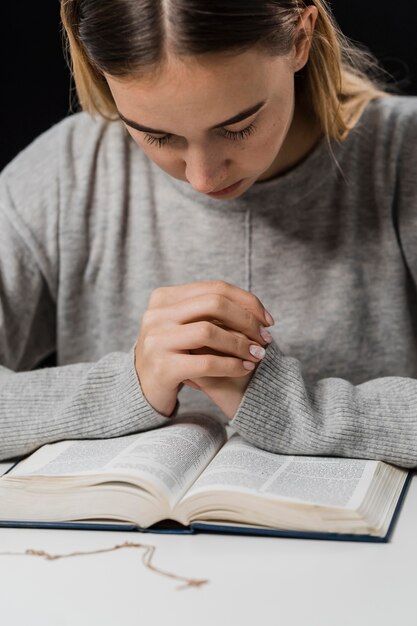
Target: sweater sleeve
(376, 419)
(280, 413)
(83, 400)
(37, 406)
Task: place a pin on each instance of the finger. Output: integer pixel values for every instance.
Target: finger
(205, 336)
(229, 330)
(191, 383)
(191, 367)
(164, 296)
(207, 307)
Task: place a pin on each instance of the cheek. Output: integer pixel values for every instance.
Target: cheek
(264, 149)
(276, 135)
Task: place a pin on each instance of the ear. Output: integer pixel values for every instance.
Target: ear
(303, 37)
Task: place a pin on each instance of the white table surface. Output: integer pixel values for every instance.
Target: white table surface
(252, 580)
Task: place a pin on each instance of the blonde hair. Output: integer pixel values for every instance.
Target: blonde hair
(339, 79)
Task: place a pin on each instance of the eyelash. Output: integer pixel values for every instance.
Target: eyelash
(228, 134)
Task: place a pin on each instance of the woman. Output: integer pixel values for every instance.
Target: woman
(237, 161)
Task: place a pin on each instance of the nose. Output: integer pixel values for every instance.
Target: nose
(206, 172)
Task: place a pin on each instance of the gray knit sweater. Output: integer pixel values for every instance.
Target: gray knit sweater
(89, 227)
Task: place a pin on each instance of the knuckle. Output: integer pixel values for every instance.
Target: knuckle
(204, 330)
(157, 297)
(220, 286)
(215, 301)
(205, 364)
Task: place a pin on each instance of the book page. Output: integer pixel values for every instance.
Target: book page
(325, 481)
(169, 458)
(175, 455)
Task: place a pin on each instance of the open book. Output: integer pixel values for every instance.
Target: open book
(190, 476)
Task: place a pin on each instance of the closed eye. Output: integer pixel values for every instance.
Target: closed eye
(227, 134)
(240, 134)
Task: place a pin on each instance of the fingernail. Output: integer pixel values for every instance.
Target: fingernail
(257, 351)
(269, 318)
(265, 334)
(248, 365)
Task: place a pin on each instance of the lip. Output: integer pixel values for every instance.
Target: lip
(226, 190)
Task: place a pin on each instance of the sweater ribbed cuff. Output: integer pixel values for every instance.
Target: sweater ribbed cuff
(253, 416)
(280, 413)
(120, 408)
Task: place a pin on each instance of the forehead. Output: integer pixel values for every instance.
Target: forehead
(199, 84)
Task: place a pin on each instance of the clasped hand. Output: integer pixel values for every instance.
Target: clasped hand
(199, 334)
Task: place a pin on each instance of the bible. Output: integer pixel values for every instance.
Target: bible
(190, 476)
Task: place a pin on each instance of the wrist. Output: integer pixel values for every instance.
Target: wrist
(232, 402)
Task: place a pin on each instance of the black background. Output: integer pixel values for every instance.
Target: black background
(35, 82)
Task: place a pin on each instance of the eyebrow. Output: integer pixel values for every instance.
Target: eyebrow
(232, 120)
